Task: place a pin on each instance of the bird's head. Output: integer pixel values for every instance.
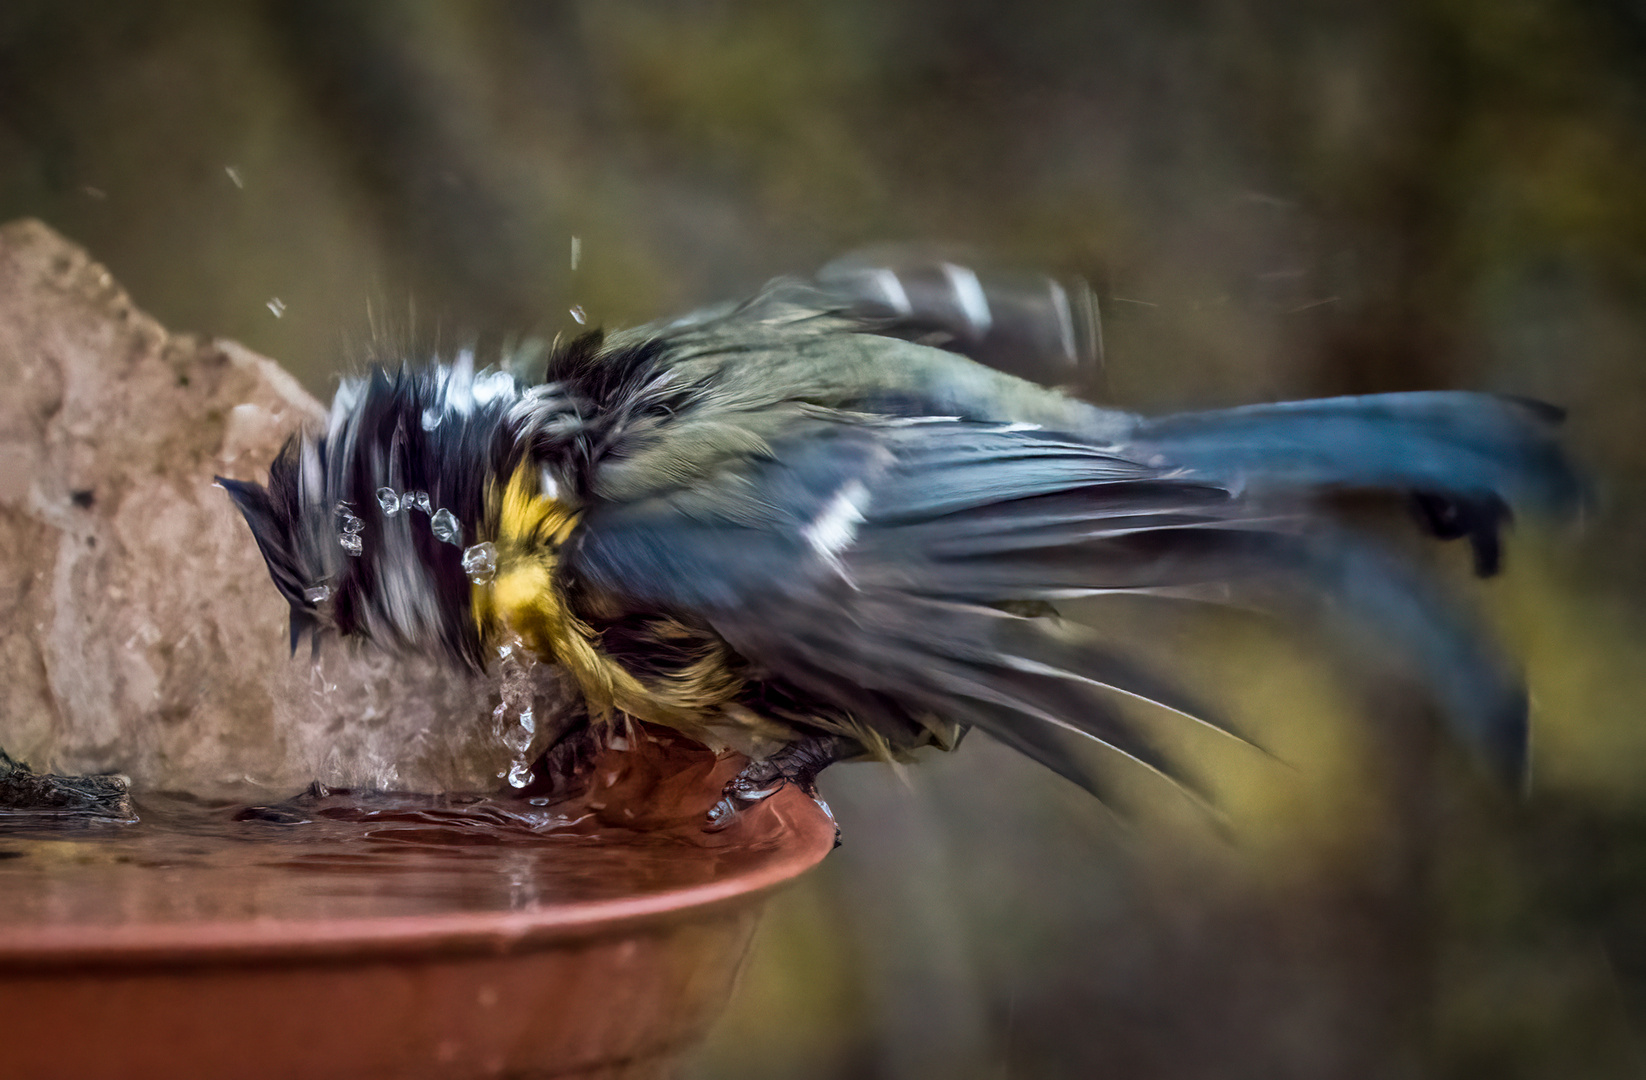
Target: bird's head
(381, 526)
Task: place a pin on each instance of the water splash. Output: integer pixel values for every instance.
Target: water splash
(514, 721)
(409, 723)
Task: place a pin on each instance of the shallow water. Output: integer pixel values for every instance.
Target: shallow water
(636, 830)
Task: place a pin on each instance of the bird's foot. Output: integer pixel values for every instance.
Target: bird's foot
(797, 763)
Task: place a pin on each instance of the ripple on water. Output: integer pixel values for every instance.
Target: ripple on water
(636, 829)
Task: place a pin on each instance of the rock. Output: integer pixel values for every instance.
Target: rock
(142, 633)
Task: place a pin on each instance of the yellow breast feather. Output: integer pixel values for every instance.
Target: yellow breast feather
(524, 601)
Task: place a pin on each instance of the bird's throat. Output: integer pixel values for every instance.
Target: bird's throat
(524, 602)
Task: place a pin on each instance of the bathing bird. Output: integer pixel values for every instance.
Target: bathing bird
(834, 521)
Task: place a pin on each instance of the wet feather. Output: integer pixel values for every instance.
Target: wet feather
(786, 518)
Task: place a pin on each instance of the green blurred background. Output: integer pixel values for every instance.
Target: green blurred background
(1272, 199)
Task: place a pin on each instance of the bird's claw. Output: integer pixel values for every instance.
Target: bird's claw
(798, 764)
(755, 784)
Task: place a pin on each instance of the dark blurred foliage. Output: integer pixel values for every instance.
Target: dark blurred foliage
(1274, 198)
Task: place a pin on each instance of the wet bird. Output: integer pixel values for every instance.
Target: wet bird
(814, 526)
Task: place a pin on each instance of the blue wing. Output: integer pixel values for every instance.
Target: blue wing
(878, 565)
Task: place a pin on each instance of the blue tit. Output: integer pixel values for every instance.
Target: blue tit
(814, 524)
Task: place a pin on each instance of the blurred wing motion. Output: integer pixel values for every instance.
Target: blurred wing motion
(888, 583)
(1029, 325)
(793, 520)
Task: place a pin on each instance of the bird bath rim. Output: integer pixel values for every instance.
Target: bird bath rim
(801, 836)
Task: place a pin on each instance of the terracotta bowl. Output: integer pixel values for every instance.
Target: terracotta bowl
(370, 943)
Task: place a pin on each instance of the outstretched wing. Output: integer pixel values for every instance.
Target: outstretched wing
(878, 566)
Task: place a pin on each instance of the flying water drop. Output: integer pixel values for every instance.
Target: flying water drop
(480, 563)
(320, 593)
(349, 529)
(514, 721)
(446, 526)
(519, 738)
(389, 500)
(520, 774)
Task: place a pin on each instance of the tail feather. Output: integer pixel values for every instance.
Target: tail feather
(1480, 695)
(1450, 442)
(1470, 459)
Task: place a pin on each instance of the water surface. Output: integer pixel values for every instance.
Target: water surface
(636, 831)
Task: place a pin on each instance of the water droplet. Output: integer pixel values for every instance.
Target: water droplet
(446, 527)
(519, 740)
(276, 306)
(431, 418)
(480, 563)
(389, 500)
(319, 594)
(423, 503)
(514, 720)
(235, 177)
(351, 544)
(577, 251)
(578, 314)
